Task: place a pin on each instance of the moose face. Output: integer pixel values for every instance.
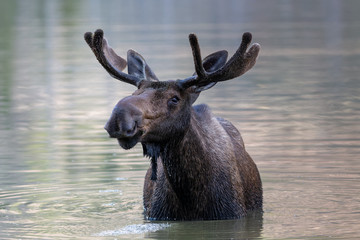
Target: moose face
(154, 113)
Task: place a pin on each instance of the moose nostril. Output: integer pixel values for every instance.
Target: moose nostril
(128, 132)
(131, 131)
(128, 129)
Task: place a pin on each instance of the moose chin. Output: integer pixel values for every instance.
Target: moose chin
(200, 169)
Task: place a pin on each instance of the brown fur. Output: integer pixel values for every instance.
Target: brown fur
(199, 166)
(195, 182)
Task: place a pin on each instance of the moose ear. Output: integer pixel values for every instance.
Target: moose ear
(215, 61)
(212, 63)
(138, 67)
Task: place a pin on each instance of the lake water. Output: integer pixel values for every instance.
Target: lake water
(298, 110)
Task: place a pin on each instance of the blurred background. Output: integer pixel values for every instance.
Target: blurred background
(298, 110)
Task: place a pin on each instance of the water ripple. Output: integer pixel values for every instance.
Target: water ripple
(135, 229)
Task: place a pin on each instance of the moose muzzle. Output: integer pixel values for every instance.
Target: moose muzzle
(124, 123)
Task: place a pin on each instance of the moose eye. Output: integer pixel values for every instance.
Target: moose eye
(173, 101)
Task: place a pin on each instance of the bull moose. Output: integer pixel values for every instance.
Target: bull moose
(199, 167)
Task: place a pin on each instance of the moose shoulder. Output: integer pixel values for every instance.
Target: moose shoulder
(199, 166)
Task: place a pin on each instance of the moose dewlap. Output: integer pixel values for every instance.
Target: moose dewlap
(199, 166)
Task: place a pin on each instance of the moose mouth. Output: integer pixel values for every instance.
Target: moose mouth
(127, 136)
(129, 142)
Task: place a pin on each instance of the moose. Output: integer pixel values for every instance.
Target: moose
(199, 167)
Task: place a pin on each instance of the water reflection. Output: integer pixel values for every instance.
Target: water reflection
(249, 227)
(298, 111)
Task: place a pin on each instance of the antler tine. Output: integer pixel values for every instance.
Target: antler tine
(238, 64)
(200, 71)
(107, 57)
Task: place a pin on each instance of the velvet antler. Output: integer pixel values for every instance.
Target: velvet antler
(238, 64)
(113, 63)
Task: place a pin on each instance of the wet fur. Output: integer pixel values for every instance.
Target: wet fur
(198, 182)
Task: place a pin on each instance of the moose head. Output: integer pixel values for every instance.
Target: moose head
(160, 110)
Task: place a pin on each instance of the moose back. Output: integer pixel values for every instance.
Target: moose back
(199, 167)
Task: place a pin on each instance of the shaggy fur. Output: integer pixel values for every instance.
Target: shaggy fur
(202, 183)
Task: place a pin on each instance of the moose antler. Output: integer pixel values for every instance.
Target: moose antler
(239, 63)
(113, 63)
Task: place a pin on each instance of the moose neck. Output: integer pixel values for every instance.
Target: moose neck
(186, 166)
(186, 159)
